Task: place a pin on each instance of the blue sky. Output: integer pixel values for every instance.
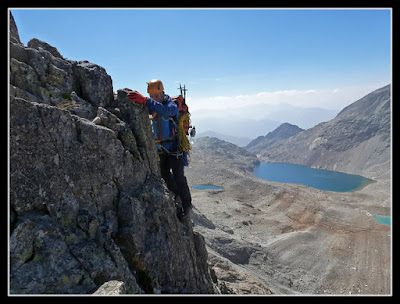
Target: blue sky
(255, 56)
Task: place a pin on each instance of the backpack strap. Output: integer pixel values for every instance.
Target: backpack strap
(153, 116)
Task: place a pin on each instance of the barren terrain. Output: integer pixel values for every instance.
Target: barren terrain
(274, 238)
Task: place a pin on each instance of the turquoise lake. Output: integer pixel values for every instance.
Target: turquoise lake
(384, 220)
(206, 187)
(317, 178)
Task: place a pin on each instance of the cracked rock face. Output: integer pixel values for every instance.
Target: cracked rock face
(87, 203)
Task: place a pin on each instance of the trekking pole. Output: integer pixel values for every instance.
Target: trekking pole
(184, 92)
(180, 88)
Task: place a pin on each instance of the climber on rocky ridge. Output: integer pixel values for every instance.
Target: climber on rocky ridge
(165, 117)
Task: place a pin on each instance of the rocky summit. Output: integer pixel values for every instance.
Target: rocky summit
(272, 139)
(87, 204)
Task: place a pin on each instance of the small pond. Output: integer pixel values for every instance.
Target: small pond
(206, 187)
(384, 220)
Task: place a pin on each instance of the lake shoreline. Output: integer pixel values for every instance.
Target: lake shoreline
(321, 179)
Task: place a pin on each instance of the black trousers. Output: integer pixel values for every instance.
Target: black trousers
(175, 180)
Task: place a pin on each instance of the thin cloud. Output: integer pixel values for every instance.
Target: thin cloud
(331, 99)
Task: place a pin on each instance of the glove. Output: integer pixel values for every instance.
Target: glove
(135, 96)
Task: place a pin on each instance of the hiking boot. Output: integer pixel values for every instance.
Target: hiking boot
(185, 213)
(179, 212)
(177, 200)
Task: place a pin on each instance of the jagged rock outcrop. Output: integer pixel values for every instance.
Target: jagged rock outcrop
(14, 35)
(111, 288)
(87, 203)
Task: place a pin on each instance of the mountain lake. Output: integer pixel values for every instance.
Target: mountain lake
(326, 180)
(206, 187)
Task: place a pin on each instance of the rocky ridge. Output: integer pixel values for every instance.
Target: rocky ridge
(272, 139)
(356, 141)
(87, 203)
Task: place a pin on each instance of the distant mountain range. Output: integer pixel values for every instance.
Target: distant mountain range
(237, 140)
(356, 141)
(242, 130)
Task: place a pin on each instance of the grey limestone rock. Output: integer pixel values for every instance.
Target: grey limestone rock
(87, 203)
(111, 288)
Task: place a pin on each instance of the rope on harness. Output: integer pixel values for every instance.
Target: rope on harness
(184, 144)
(177, 154)
(183, 141)
(159, 141)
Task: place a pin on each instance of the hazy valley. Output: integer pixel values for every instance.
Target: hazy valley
(267, 237)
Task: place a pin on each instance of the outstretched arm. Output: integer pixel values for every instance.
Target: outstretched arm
(165, 111)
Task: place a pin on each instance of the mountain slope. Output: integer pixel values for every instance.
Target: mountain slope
(356, 141)
(227, 160)
(267, 237)
(273, 138)
(236, 140)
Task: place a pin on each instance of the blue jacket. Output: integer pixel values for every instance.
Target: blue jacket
(163, 127)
